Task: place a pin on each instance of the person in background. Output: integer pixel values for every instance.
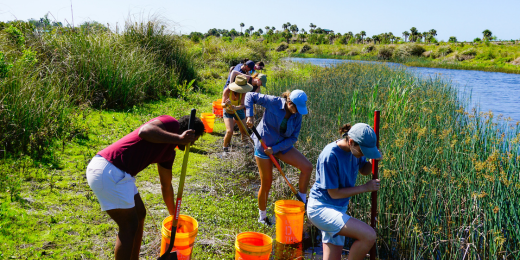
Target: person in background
(233, 98)
(110, 175)
(279, 129)
(243, 68)
(336, 172)
(257, 80)
(258, 66)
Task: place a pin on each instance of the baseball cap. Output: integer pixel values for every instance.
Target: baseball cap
(250, 64)
(299, 98)
(365, 136)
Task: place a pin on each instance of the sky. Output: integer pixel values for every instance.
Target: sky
(463, 19)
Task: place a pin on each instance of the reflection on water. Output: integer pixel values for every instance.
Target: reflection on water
(495, 91)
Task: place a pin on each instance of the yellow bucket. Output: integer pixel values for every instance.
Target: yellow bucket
(187, 229)
(253, 246)
(289, 221)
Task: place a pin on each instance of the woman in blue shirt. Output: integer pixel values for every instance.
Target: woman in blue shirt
(279, 129)
(336, 174)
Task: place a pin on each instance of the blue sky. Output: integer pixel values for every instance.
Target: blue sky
(461, 18)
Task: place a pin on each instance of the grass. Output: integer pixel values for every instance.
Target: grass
(449, 178)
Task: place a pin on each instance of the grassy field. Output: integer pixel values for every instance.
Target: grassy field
(449, 178)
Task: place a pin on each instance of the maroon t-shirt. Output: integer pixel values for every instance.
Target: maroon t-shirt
(132, 154)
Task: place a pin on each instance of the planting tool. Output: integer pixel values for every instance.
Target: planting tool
(175, 220)
(277, 165)
(375, 175)
(240, 123)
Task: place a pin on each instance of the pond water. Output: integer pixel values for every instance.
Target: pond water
(495, 91)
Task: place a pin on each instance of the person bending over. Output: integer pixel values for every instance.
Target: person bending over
(336, 173)
(111, 175)
(279, 129)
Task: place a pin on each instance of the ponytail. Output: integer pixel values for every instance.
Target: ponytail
(344, 130)
(286, 95)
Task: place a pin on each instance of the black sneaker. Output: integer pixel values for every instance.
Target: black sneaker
(266, 222)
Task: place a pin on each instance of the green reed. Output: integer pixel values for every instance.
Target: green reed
(449, 176)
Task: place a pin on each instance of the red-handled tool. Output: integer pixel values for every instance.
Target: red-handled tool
(375, 175)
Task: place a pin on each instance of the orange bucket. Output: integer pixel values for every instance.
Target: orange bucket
(208, 119)
(288, 251)
(217, 108)
(184, 239)
(289, 221)
(253, 246)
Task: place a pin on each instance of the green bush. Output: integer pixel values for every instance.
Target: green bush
(407, 50)
(305, 48)
(442, 51)
(15, 35)
(470, 51)
(486, 55)
(385, 52)
(367, 49)
(282, 47)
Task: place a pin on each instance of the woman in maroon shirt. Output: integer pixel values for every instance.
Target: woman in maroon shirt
(111, 174)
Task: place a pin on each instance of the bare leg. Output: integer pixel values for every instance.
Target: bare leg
(141, 215)
(296, 159)
(365, 238)
(244, 131)
(229, 131)
(331, 251)
(127, 222)
(265, 166)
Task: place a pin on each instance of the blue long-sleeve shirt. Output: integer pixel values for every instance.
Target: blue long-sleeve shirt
(269, 126)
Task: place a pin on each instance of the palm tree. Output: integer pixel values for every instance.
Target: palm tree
(241, 25)
(425, 35)
(284, 26)
(391, 36)
(267, 28)
(294, 29)
(487, 35)
(251, 29)
(413, 33)
(363, 34)
(433, 32)
(247, 31)
(302, 36)
(406, 34)
(273, 28)
(260, 31)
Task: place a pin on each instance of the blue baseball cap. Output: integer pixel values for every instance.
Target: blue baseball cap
(250, 64)
(299, 98)
(365, 136)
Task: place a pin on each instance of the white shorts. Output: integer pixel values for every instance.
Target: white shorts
(329, 219)
(114, 188)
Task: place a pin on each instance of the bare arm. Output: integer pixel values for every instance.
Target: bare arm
(165, 177)
(155, 132)
(341, 193)
(367, 168)
(235, 73)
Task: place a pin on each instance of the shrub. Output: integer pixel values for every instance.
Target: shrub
(368, 49)
(442, 51)
(477, 40)
(353, 52)
(470, 51)
(282, 47)
(407, 50)
(4, 66)
(15, 35)
(487, 55)
(306, 47)
(385, 52)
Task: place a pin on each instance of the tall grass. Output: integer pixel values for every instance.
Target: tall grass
(48, 75)
(449, 176)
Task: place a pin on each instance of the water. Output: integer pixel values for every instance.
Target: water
(495, 91)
